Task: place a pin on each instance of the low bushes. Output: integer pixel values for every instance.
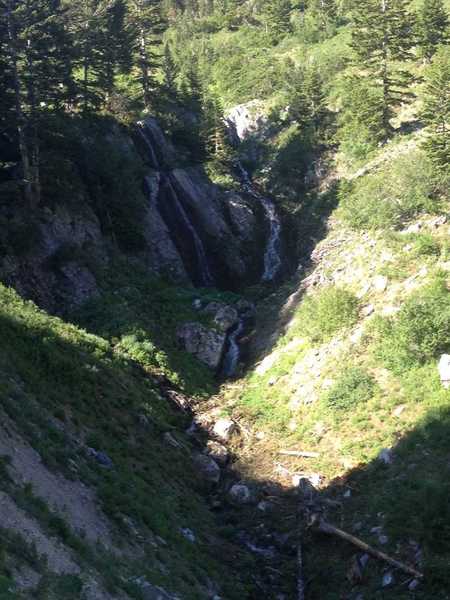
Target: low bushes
(387, 198)
(325, 313)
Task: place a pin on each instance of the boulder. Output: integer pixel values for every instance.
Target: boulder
(444, 370)
(247, 120)
(240, 495)
(224, 429)
(205, 344)
(226, 318)
(217, 452)
(207, 468)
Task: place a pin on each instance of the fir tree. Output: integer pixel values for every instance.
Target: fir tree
(147, 24)
(436, 110)
(382, 39)
(433, 27)
(35, 49)
(277, 17)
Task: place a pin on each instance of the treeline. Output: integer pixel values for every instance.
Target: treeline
(71, 55)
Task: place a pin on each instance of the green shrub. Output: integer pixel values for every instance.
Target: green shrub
(390, 197)
(419, 332)
(353, 387)
(426, 245)
(326, 312)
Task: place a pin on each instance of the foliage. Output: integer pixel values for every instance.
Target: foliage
(354, 386)
(387, 198)
(324, 313)
(419, 332)
(436, 111)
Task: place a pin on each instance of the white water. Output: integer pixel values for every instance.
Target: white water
(272, 258)
(232, 355)
(205, 273)
(206, 279)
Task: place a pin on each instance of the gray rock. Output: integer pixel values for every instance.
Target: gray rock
(207, 468)
(217, 451)
(413, 585)
(388, 579)
(224, 429)
(151, 592)
(188, 534)
(248, 119)
(207, 345)
(226, 318)
(101, 457)
(444, 370)
(240, 495)
(386, 456)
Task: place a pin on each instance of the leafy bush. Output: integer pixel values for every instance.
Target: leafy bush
(419, 332)
(326, 312)
(353, 387)
(390, 197)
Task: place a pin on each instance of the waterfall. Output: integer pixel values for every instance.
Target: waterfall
(181, 217)
(272, 254)
(177, 219)
(232, 355)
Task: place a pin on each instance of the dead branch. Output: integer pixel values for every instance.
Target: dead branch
(299, 453)
(321, 525)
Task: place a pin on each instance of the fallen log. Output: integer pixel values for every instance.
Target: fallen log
(299, 453)
(322, 525)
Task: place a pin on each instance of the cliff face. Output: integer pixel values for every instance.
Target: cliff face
(178, 220)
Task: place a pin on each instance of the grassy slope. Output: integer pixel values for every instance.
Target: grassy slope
(59, 383)
(355, 372)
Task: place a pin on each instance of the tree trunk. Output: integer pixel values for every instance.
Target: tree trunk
(20, 115)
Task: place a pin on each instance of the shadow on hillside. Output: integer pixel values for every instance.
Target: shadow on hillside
(401, 508)
(58, 369)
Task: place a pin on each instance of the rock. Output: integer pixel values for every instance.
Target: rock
(226, 318)
(101, 457)
(207, 468)
(413, 585)
(224, 429)
(151, 592)
(444, 370)
(240, 495)
(383, 539)
(242, 217)
(386, 456)
(388, 579)
(248, 119)
(197, 304)
(188, 534)
(368, 310)
(398, 410)
(217, 452)
(205, 344)
(244, 307)
(265, 506)
(380, 283)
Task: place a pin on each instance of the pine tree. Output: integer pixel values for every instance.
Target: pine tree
(277, 17)
(35, 50)
(382, 39)
(147, 25)
(436, 110)
(433, 27)
(215, 134)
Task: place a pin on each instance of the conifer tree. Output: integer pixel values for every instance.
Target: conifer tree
(277, 17)
(382, 39)
(433, 27)
(148, 25)
(35, 49)
(436, 110)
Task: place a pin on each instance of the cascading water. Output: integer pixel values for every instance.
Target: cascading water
(177, 218)
(204, 274)
(231, 359)
(272, 255)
